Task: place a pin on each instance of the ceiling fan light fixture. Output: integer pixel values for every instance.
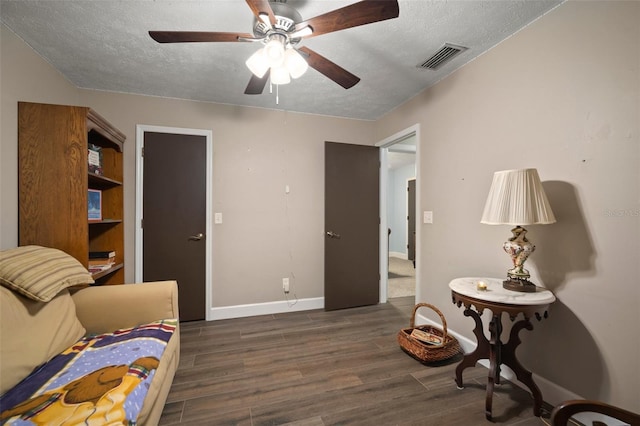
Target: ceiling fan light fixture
(280, 27)
(274, 52)
(258, 64)
(280, 75)
(295, 63)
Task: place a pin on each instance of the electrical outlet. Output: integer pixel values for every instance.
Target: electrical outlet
(285, 285)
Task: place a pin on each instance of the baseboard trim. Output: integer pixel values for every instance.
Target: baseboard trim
(553, 394)
(269, 308)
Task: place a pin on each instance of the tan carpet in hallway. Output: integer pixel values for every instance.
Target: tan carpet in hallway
(402, 278)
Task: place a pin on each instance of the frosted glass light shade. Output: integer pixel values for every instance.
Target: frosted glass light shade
(274, 52)
(517, 197)
(258, 63)
(295, 63)
(280, 75)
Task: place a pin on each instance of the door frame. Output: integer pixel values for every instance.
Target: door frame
(141, 129)
(384, 177)
(406, 234)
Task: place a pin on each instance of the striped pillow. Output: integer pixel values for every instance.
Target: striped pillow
(40, 273)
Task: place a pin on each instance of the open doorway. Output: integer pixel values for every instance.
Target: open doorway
(401, 166)
(399, 270)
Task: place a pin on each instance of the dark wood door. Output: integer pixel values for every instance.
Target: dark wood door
(411, 220)
(352, 221)
(174, 216)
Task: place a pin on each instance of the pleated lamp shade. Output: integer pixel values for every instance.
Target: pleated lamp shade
(517, 197)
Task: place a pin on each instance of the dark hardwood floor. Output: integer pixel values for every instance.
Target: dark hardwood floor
(325, 368)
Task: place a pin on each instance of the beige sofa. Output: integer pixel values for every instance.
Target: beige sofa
(32, 331)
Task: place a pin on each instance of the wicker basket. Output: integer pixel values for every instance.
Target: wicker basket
(425, 352)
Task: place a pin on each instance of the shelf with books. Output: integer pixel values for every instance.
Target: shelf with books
(110, 170)
(107, 233)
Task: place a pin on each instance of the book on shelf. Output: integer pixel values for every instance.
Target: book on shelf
(94, 204)
(108, 254)
(95, 159)
(102, 262)
(99, 268)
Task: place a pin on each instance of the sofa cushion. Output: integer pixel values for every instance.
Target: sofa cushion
(32, 333)
(40, 272)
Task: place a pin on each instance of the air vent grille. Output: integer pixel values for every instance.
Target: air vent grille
(442, 56)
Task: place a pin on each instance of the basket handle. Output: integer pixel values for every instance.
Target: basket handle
(437, 311)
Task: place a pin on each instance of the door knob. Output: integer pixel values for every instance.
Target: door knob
(332, 234)
(196, 237)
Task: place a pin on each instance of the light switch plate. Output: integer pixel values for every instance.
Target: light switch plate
(427, 217)
(217, 218)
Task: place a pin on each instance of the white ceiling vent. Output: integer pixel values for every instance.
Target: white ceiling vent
(442, 56)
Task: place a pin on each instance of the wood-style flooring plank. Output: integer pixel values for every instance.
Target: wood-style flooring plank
(255, 395)
(317, 368)
(378, 393)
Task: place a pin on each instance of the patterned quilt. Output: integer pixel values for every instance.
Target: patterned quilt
(101, 380)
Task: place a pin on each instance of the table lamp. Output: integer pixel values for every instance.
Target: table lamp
(517, 198)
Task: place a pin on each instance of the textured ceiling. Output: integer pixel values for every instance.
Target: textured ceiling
(104, 45)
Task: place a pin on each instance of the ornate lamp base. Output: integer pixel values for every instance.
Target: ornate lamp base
(524, 286)
(519, 249)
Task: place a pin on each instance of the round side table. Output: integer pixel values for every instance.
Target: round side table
(465, 291)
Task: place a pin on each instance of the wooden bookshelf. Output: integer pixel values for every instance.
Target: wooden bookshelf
(54, 179)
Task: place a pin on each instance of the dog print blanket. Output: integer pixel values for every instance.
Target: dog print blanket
(101, 380)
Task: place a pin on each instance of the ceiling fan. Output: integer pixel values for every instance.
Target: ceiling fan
(280, 28)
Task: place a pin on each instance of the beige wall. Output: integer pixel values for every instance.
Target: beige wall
(563, 96)
(24, 76)
(266, 234)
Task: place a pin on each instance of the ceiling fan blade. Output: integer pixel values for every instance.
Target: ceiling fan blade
(196, 36)
(262, 7)
(331, 70)
(256, 84)
(361, 13)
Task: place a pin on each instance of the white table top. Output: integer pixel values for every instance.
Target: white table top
(496, 293)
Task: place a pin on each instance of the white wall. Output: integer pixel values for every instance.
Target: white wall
(563, 96)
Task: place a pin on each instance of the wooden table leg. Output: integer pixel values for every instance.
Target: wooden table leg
(481, 352)
(495, 360)
(525, 376)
